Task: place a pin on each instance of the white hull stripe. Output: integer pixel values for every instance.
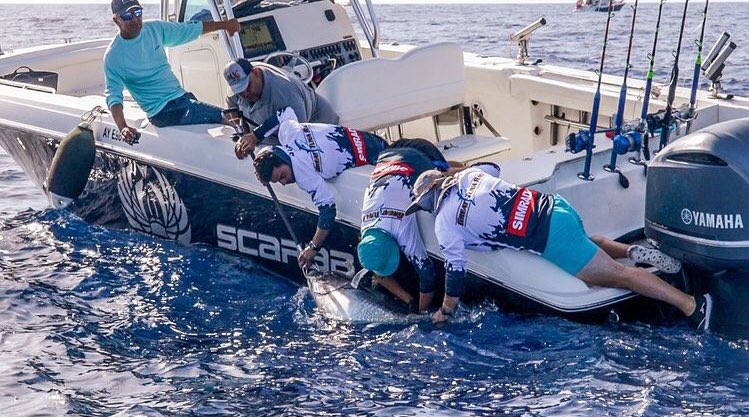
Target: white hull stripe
(707, 242)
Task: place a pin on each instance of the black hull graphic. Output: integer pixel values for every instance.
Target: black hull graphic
(158, 200)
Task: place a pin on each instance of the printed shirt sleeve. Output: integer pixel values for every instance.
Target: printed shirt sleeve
(487, 168)
(323, 195)
(174, 34)
(451, 244)
(283, 123)
(413, 247)
(410, 240)
(114, 84)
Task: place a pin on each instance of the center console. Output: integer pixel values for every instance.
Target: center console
(320, 32)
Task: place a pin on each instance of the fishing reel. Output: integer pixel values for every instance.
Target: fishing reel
(234, 117)
(629, 140)
(624, 143)
(641, 129)
(578, 142)
(656, 121)
(685, 114)
(640, 126)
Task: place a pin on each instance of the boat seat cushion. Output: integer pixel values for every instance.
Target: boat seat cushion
(472, 148)
(380, 92)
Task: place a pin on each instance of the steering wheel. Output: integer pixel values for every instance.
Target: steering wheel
(291, 65)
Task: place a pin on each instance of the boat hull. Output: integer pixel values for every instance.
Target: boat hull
(602, 6)
(163, 202)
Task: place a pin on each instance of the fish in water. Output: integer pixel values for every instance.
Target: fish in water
(338, 299)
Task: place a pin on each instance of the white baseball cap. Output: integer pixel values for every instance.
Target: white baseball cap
(237, 75)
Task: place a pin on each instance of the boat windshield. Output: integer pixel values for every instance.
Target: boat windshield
(242, 8)
(199, 9)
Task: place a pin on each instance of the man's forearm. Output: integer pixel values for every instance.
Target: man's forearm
(227, 25)
(320, 235)
(119, 116)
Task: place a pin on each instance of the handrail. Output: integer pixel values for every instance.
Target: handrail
(235, 42)
(232, 44)
(372, 33)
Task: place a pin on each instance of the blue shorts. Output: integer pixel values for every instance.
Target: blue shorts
(186, 110)
(568, 246)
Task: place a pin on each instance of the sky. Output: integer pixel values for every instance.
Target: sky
(375, 1)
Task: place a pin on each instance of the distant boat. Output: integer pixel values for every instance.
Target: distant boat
(598, 5)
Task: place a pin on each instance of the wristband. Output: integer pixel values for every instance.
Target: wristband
(314, 247)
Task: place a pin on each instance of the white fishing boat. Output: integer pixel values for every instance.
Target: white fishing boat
(184, 182)
(599, 5)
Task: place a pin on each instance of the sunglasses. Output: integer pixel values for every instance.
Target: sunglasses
(132, 14)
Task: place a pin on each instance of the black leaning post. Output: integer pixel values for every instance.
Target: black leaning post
(667, 116)
(585, 175)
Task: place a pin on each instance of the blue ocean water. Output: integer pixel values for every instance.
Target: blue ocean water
(96, 321)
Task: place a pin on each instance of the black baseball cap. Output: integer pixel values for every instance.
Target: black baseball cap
(121, 6)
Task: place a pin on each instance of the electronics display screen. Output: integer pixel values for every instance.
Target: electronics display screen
(260, 37)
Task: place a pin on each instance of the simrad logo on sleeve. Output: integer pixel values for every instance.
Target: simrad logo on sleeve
(392, 168)
(358, 146)
(521, 212)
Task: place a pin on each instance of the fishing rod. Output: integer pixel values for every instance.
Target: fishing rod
(667, 116)
(234, 51)
(234, 117)
(691, 113)
(287, 223)
(646, 99)
(584, 139)
(623, 143)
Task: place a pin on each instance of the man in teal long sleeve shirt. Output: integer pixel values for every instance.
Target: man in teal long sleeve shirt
(136, 60)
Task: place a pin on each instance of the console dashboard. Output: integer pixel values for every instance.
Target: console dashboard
(319, 31)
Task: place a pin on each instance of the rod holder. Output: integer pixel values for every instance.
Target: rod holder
(522, 37)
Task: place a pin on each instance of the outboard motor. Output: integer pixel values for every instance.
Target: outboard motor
(697, 209)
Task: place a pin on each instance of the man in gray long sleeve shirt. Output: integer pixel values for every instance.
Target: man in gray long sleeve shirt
(259, 90)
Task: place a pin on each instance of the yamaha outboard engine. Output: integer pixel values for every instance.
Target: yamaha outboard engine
(697, 209)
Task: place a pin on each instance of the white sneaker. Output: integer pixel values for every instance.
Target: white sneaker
(654, 257)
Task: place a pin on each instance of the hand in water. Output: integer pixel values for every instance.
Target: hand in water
(439, 316)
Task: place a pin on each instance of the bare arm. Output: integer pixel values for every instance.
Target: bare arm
(129, 134)
(305, 258)
(118, 116)
(230, 26)
(320, 235)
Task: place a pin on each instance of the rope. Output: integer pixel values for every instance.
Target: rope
(88, 117)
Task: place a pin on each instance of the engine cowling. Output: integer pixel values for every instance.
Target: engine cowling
(697, 201)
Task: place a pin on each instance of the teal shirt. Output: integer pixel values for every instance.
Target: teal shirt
(141, 66)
